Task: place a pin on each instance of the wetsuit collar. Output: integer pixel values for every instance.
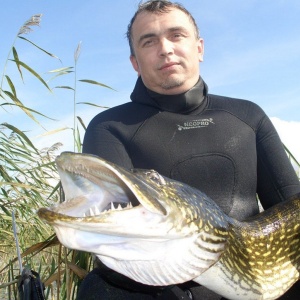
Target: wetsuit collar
(181, 103)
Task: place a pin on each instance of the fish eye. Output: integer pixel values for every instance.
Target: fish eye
(156, 177)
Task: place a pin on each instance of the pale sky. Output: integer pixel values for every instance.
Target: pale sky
(252, 51)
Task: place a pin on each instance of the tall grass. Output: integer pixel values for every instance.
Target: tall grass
(28, 181)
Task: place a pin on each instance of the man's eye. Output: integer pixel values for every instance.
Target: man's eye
(177, 35)
(147, 43)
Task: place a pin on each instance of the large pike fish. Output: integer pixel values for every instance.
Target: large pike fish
(162, 232)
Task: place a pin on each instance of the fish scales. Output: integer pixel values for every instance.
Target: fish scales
(262, 255)
(152, 215)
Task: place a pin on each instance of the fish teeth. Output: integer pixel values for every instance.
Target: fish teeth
(119, 206)
(97, 211)
(86, 214)
(94, 211)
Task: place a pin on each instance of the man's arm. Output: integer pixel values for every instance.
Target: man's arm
(276, 178)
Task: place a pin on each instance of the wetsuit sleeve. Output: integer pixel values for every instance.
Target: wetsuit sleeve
(276, 178)
(100, 141)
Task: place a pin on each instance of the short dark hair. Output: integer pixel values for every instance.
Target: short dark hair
(157, 7)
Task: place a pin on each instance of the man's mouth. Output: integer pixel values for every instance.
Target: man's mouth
(168, 66)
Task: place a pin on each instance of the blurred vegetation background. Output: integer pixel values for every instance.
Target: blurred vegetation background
(29, 180)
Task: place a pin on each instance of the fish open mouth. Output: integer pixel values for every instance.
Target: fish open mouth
(93, 187)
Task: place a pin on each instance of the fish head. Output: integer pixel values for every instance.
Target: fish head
(126, 215)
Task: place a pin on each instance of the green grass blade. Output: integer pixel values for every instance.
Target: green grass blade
(96, 83)
(48, 53)
(81, 122)
(11, 85)
(16, 57)
(54, 131)
(18, 103)
(62, 70)
(27, 110)
(65, 87)
(93, 104)
(33, 73)
(20, 133)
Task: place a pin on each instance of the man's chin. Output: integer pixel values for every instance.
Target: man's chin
(172, 83)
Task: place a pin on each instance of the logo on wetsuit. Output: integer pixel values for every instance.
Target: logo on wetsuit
(196, 124)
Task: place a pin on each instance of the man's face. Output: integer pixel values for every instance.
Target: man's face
(167, 52)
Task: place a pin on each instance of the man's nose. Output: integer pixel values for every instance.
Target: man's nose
(166, 47)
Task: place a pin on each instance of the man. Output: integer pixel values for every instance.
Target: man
(227, 148)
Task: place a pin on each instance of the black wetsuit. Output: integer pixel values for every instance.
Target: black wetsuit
(227, 148)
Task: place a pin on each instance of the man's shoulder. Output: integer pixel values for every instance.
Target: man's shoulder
(245, 110)
(116, 110)
(234, 105)
(125, 113)
(219, 101)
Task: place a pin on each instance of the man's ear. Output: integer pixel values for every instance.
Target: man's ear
(135, 64)
(201, 49)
